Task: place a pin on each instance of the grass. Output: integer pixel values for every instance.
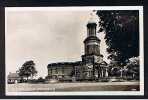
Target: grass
(97, 86)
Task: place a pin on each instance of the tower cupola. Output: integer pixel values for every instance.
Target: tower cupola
(91, 26)
(92, 42)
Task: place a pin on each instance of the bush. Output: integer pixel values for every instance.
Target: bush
(40, 79)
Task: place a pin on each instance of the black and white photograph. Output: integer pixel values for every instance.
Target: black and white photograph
(74, 50)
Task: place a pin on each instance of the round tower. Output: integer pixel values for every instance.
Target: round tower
(92, 42)
(92, 54)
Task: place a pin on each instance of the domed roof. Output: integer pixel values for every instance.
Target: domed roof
(92, 19)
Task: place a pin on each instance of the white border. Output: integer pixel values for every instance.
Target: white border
(140, 8)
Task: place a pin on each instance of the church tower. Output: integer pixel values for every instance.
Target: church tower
(92, 42)
(92, 49)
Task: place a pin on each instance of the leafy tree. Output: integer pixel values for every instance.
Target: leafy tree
(27, 70)
(133, 67)
(114, 70)
(121, 29)
(41, 79)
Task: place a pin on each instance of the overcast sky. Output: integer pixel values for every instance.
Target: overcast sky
(46, 36)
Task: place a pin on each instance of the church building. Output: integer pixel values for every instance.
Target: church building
(92, 66)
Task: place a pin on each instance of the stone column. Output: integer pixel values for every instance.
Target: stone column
(102, 72)
(121, 73)
(106, 73)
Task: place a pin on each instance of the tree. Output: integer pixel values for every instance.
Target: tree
(41, 79)
(121, 30)
(27, 70)
(133, 67)
(114, 70)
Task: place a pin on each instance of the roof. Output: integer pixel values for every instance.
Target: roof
(65, 63)
(13, 75)
(92, 19)
(103, 63)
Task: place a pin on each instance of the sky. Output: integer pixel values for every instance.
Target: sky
(46, 36)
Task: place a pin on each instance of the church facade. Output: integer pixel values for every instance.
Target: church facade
(92, 66)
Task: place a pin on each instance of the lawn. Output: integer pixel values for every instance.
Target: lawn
(95, 86)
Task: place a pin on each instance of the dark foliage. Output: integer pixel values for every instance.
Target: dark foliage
(27, 70)
(133, 67)
(40, 79)
(121, 33)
